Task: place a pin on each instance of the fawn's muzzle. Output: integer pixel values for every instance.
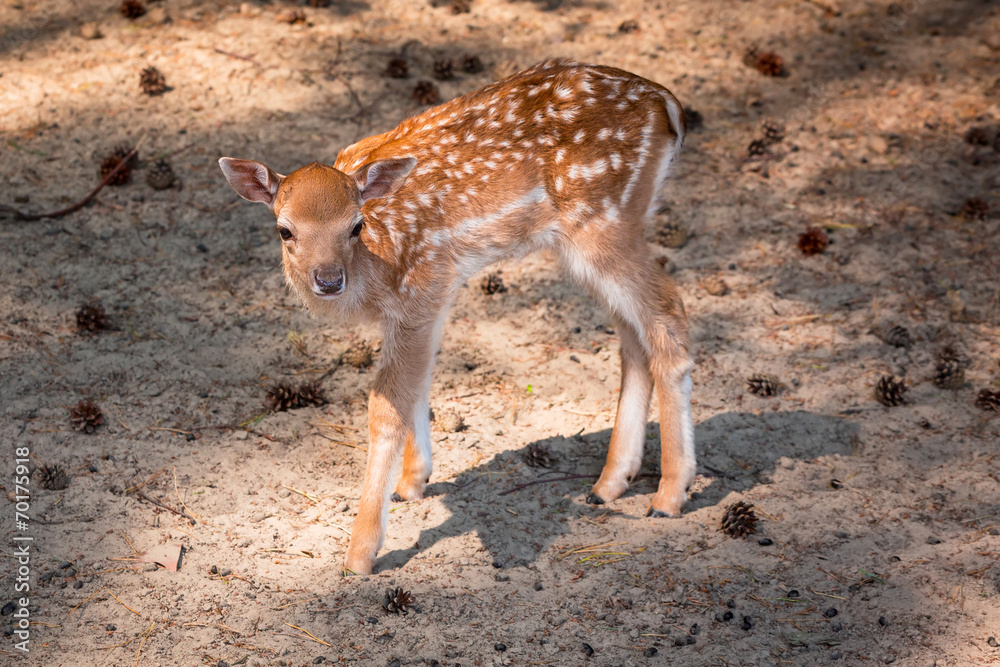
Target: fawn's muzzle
(329, 280)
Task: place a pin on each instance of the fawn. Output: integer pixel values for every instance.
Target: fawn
(561, 156)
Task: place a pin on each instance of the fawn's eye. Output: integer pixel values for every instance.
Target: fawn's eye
(285, 233)
(356, 230)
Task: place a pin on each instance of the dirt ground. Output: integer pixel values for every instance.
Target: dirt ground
(879, 535)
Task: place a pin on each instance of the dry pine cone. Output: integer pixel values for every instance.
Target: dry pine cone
(772, 130)
(763, 385)
(988, 400)
(90, 317)
(757, 148)
(396, 601)
(311, 395)
(979, 136)
(281, 397)
(949, 374)
(671, 235)
(975, 208)
(493, 284)
(152, 81)
(739, 520)
(53, 478)
(426, 92)
(132, 9)
(359, 355)
(767, 63)
(397, 68)
(160, 175)
(108, 165)
(813, 241)
(538, 455)
(895, 335)
(86, 416)
(443, 69)
(889, 391)
(471, 64)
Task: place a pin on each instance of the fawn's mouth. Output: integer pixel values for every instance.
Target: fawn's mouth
(328, 296)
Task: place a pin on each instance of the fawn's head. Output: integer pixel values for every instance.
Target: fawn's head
(319, 218)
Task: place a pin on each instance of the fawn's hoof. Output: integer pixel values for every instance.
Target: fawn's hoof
(595, 499)
(396, 498)
(656, 514)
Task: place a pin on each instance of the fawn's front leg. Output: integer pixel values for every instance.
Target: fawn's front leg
(406, 356)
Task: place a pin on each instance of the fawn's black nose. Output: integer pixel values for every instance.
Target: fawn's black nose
(329, 280)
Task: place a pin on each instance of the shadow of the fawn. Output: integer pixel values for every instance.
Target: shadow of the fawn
(735, 450)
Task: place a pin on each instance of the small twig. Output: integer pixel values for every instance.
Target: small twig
(309, 634)
(560, 479)
(122, 603)
(145, 636)
(30, 217)
(181, 513)
(248, 59)
(545, 481)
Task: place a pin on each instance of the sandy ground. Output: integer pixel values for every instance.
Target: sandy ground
(875, 103)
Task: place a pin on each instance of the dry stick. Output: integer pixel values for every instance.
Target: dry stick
(121, 603)
(30, 217)
(182, 513)
(143, 643)
(559, 479)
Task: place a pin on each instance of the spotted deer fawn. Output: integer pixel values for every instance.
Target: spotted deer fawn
(563, 156)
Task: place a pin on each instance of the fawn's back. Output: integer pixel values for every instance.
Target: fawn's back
(559, 152)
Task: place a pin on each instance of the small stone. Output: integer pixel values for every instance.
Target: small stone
(992, 641)
(831, 612)
(451, 422)
(650, 652)
(728, 616)
(841, 534)
(731, 603)
(8, 609)
(111, 627)
(882, 621)
(836, 626)
(765, 541)
(933, 540)
(91, 30)
(65, 564)
(588, 650)
(836, 655)
(792, 594)
(500, 647)
(538, 586)
(78, 584)
(715, 286)
(747, 623)
(695, 629)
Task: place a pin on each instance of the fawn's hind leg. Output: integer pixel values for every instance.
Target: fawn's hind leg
(646, 301)
(670, 363)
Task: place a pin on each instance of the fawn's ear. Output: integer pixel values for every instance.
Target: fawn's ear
(251, 180)
(382, 177)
